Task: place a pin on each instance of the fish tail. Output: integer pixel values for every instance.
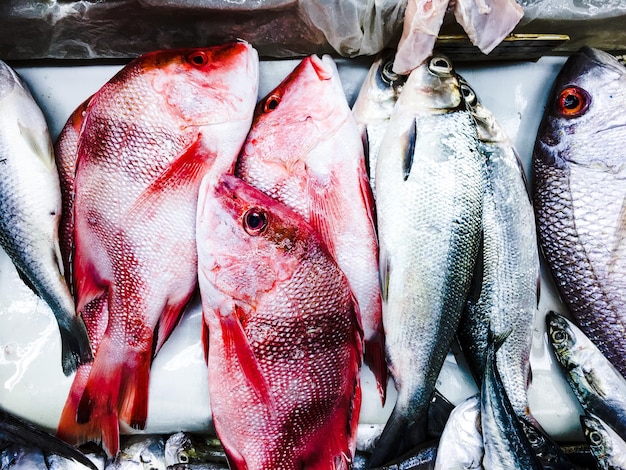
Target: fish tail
(68, 429)
(134, 386)
(374, 357)
(75, 345)
(399, 436)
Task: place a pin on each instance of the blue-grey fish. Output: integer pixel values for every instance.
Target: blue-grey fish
(429, 182)
(549, 453)
(187, 448)
(598, 386)
(373, 106)
(579, 170)
(504, 293)
(607, 447)
(31, 208)
(140, 452)
(461, 444)
(506, 445)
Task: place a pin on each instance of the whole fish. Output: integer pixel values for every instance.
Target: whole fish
(285, 343)
(579, 195)
(31, 208)
(461, 444)
(429, 185)
(186, 448)
(149, 135)
(600, 389)
(140, 452)
(25, 442)
(505, 443)
(504, 294)
(607, 447)
(372, 108)
(304, 149)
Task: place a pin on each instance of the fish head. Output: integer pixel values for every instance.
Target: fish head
(380, 90)
(432, 87)
(204, 86)
(585, 116)
(563, 337)
(303, 110)
(247, 241)
(8, 80)
(597, 436)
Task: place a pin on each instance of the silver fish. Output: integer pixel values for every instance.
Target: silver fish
(607, 447)
(600, 389)
(579, 168)
(504, 296)
(31, 208)
(373, 106)
(186, 448)
(140, 452)
(461, 444)
(506, 445)
(429, 181)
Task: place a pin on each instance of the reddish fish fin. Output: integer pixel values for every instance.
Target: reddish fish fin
(205, 341)
(325, 209)
(239, 351)
(375, 358)
(68, 429)
(367, 196)
(110, 434)
(167, 322)
(134, 389)
(188, 168)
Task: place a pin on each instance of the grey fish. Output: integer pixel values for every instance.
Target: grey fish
(140, 452)
(503, 296)
(24, 443)
(506, 445)
(579, 171)
(461, 444)
(429, 181)
(598, 386)
(547, 451)
(373, 106)
(422, 457)
(607, 447)
(31, 207)
(186, 448)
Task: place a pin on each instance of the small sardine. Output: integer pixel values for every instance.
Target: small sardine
(607, 447)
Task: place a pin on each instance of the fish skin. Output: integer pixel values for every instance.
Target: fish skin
(421, 458)
(487, 22)
(31, 207)
(547, 451)
(505, 444)
(578, 173)
(186, 448)
(304, 149)
(139, 453)
(607, 447)
(279, 402)
(428, 235)
(461, 444)
(598, 386)
(504, 294)
(149, 136)
(373, 106)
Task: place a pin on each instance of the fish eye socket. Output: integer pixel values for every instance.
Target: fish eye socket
(468, 94)
(254, 221)
(198, 58)
(440, 65)
(573, 101)
(271, 103)
(558, 336)
(183, 458)
(594, 437)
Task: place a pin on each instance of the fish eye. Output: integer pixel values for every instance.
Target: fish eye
(468, 94)
(595, 438)
(271, 103)
(183, 458)
(572, 102)
(558, 336)
(254, 221)
(440, 65)
(198, 58)
(387, 73)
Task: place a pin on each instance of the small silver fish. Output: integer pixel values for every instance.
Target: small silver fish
(599, 387)
(140, 452)
(186, 448)
(429, 185)
(31, 208)
(607, 447)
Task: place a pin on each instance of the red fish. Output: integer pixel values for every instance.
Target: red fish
(149, 136)
(306, 151)
(284, 337)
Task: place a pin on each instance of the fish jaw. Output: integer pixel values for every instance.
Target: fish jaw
(253, 412)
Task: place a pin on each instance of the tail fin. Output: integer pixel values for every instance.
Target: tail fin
(374, 357)
(75, 346)
(399, 436)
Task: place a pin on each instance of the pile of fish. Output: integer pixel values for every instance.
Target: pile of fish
(321, 237)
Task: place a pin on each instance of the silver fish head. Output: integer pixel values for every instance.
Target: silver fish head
(563, 339)
(607, 447)
(586, 107)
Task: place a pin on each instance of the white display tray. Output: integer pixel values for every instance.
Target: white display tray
(33, 385)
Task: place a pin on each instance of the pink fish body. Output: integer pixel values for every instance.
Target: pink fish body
(149, 136)
(305, 150)
(284, 338)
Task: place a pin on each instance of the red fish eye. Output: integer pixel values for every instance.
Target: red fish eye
(271, 103)
(573, 101)
(198, 58)
(254, 221)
